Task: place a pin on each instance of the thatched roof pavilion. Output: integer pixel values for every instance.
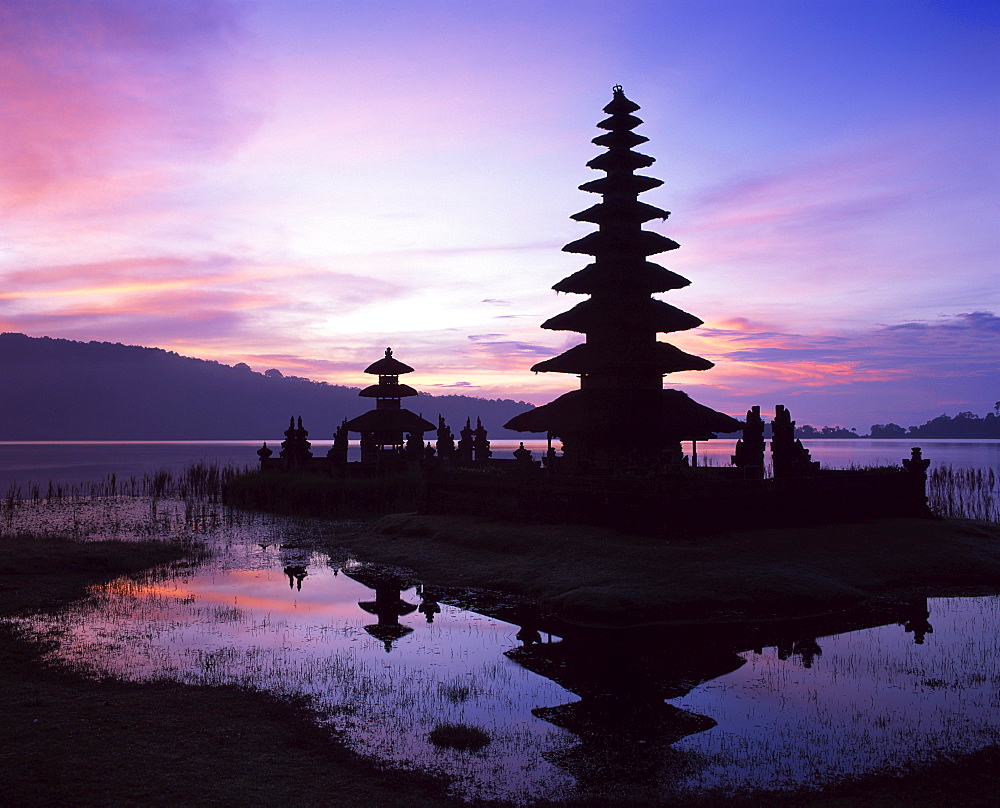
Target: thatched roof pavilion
(621, 415)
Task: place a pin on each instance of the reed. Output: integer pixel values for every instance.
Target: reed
(964, 493)
(201, 481)
(314, 495)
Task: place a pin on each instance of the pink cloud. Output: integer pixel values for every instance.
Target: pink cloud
(95, 91)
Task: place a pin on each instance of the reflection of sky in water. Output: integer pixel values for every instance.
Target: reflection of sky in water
(248, 626)
(872, 699)
(869, 700)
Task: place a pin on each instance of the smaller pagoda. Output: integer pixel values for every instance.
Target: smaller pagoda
(384, 429)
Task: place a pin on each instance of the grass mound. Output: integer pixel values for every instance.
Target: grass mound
(459, 736)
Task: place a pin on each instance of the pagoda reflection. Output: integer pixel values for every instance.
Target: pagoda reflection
(624, 679)
(388, 606)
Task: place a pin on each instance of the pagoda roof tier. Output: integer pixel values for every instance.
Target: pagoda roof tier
(637, 275)
(621, 185)
(642, 316)
(666, 413)
(394, 420)
(619, 104)
(658, 357)
(620, 211)
(388, 366)
(388, 391)
(619, 139)
(604, 242)
(396, 607)
(620, 160)
(620, 122)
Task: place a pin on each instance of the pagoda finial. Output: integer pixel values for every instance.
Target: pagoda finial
(388, 353)
(617, 89)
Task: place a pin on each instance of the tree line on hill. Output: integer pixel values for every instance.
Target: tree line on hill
(965, 425)
(57, 389)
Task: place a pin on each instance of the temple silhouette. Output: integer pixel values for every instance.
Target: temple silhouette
(621, 432)
(621, 364)
(382, 428)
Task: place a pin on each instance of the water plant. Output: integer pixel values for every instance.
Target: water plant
(964, 493)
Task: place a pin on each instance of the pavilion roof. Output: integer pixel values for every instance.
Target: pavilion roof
(620, 211)
(619, 139)
(669, 413)
(641, 316)
(659, 357)
(620, 121)
(621, 185)
(638, 274)
(620, 160)
(389, 420)
(388, 391)
(605, 242)
(388, 366)
(619, 104)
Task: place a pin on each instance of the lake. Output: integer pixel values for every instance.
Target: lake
(24, 463)
(283, 606)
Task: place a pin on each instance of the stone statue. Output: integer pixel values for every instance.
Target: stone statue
(789, 456)
(750, 448)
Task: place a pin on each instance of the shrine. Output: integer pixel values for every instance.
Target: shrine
(622, 417)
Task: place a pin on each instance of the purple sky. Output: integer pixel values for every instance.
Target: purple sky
(299, 184)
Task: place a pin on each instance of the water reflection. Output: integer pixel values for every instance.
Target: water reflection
(429, 605)
(641, 713)
(388, 606)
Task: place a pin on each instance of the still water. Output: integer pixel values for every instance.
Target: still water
(283, 606)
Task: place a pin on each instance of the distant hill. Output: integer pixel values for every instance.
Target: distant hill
(57, 389)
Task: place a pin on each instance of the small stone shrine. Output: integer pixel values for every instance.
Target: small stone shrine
(621, 417)
(789, 457)
(295, 448)
(749, 457)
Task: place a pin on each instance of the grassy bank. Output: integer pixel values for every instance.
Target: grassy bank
(596, 576)
(74, 742)
(316, 495)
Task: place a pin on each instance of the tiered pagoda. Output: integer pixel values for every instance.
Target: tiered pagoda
(382, 429)
(621, 417)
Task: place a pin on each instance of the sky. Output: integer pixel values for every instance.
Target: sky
(297, 185)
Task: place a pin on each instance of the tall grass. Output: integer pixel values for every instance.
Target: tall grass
(202, 481)
(964, 493)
